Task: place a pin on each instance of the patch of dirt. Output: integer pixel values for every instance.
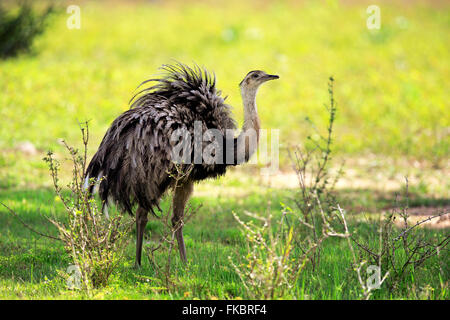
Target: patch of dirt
(369, 185)
(442, 222)
(360, 179)
(417, 214)
(428, 211)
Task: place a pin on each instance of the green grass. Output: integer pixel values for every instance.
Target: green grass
(392, 93)
(29, 264)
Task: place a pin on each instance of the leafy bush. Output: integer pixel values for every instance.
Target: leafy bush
(94, 242)
(18, 30)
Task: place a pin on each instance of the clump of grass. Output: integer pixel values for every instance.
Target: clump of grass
(94, 242)
(17, 31)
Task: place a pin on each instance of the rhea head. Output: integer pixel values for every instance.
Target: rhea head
(255, 78)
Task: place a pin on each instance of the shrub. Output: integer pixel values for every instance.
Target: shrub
(401, 252)
(18, 30)
(94, 242)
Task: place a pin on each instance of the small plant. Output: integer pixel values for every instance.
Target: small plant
(274, 261)
(94, 242)
(315, 196)
(401, 252)
(359, 264)
(267, 271)
(17, 31)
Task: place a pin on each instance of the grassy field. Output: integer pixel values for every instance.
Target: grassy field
(29, 263)
(393, 120)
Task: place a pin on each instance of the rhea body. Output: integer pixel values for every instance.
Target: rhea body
(134, 160)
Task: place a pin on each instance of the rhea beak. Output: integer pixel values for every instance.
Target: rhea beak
(268, 77)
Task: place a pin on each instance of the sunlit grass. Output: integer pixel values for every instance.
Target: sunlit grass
(29, 264)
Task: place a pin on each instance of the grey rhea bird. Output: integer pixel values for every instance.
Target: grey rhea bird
(134, 164)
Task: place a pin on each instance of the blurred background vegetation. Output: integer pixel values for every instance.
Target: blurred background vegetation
(19, 27)
(391, 84)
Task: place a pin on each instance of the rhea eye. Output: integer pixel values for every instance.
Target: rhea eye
(255, 75)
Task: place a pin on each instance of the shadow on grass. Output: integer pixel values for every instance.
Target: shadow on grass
(375, 201)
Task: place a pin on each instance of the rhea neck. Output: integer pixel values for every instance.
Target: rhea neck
(247, 141)
(251, 119)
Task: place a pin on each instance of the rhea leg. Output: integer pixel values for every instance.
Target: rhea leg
(180, 198)
(141, 222)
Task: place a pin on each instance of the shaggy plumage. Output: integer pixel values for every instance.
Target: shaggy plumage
(135, 162)
(134, 158)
